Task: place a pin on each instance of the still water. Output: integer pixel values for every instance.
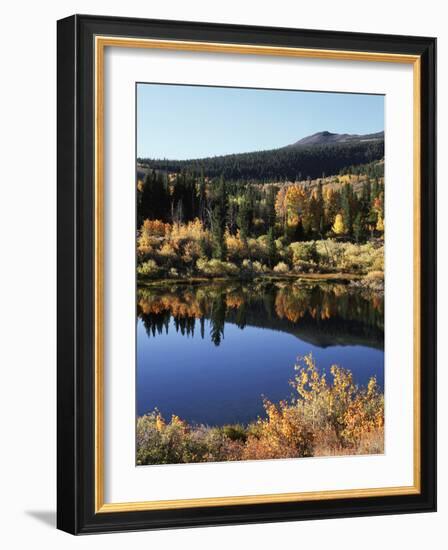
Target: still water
(209, 353)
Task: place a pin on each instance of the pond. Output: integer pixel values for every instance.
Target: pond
(210, 352)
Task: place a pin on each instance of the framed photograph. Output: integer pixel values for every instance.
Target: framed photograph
(246, 267)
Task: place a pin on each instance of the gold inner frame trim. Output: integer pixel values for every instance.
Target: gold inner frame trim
(101, 42)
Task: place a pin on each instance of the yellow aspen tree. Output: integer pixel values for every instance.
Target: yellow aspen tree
(338, 227)
(295, 199)
(380, 224)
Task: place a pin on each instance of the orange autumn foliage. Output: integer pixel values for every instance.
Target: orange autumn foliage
(324, 418)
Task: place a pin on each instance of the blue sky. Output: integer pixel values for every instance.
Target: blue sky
(184, 122)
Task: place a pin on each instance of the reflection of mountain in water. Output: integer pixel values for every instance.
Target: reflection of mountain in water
(321, 314)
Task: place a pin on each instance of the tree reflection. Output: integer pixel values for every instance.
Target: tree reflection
(314, 312)
(218, 318)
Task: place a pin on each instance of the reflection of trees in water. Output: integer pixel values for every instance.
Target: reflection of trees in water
(323, 314)
(218, 318)
(294, 304)
(156, 310)
(156, 322)
(185, 325)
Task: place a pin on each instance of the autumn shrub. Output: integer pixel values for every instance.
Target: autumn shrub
(149, 269)
(305, 252)
(181, 245)
(324, 417)
(214, 268)
(156, 228)
(260, 268)
(236, 248)
(191, 251)
(283, 434)
(162, 442)
(281, 267)
(363, 258)
(167, 256)
(350, 257)
(192, 230)
(305, 257)
(331, 253)
(351, 412)
(283, 251)
(378, 260)
(259, 249)
(254, 268)
(235, 432)
(303, 267)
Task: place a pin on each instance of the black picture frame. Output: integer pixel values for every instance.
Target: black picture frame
(76, 272)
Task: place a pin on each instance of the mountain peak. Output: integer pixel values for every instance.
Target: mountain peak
(325, 137)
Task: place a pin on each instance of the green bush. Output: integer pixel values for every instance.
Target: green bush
(214, 268)
(254, 267)
(350, 257)
(304, 252)
(281, 267)
(235, 432)
(149, 269)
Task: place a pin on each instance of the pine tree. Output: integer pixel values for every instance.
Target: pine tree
(218, 221)
(320, 208)
(272, 248)
(154, 198)
(347, 214)
(358, 227)
(366, 195)
(270, 207)
(333, 205)
(202, 198)
(243, 219)
(218, 231)
(375, 190)
(313, 206)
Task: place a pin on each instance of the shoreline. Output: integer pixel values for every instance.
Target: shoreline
(339, 277)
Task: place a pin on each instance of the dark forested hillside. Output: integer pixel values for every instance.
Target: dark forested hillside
(329, 154)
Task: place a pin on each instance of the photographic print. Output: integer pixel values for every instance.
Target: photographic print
(260, 263)
(221, 242)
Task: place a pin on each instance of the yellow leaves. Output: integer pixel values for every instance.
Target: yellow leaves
(155, 228)
(295, 196)
(342, 380)
(160, 423)
(280, 202)
(191, 230)
(295, 203)
(175, 423)
(168, 251)
(380, 223)
(372, 387)
(290, 202)
(152, 232)
(338, 227)
(236, 247)
(352, 412)
(282, 435)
